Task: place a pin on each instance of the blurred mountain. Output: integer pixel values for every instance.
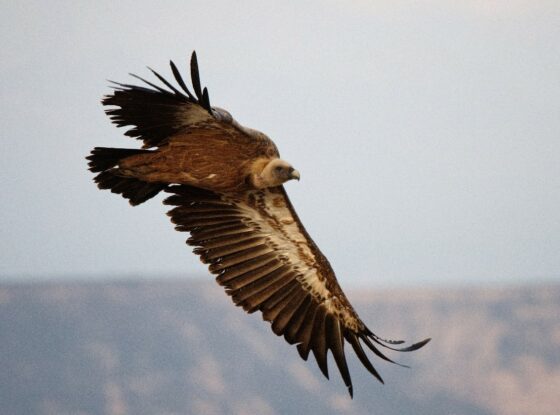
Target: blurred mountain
(171, 347)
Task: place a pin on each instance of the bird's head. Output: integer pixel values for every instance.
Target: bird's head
(278, 171)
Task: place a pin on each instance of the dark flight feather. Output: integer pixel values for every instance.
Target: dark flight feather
(180, 80)
(358, 349)
(195, 76)
(205, 102)
(290, 334)
(253, 304)
(155, 114)
(335, 343)
(319, 340)
(288, 307)
(162, 79)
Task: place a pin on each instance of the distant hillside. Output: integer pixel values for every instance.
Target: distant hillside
(183, 348)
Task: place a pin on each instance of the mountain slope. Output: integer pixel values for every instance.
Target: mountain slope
(181, 347)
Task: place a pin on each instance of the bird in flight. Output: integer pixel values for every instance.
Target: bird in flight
(226, 187)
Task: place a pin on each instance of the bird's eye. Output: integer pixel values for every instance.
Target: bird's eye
(278, 168)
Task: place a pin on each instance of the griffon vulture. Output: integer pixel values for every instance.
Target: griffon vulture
(225, 182)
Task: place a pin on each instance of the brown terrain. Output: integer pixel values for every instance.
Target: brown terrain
(171, 347)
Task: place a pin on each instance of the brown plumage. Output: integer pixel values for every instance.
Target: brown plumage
(225, 182)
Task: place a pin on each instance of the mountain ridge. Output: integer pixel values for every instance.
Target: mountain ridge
(172, 346)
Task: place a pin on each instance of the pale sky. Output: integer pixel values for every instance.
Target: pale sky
(427, 134)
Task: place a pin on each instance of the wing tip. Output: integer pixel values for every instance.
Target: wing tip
(419, 344)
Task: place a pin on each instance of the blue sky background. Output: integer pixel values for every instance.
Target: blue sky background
(427, 133)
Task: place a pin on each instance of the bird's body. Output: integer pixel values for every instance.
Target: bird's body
(202, 158)
(226, 187)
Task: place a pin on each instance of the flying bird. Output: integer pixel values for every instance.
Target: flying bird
(226, 187)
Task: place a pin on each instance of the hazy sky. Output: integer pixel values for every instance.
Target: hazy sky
(426, 133)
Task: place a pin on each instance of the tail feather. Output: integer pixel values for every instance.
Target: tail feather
(104, 160)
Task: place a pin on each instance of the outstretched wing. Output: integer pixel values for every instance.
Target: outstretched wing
(261, 253)
(156, 113)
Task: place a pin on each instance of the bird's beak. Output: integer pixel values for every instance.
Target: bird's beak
(295, 175)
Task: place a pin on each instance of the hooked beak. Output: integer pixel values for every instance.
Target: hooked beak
(294, 175)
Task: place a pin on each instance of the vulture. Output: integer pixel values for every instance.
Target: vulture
(225, 185)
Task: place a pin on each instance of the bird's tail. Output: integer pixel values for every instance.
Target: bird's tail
(104, 160)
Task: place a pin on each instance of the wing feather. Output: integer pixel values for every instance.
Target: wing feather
(278, 296)
(240, 257)
(254, 304)
(358, 349)
(297, 320)
(258, 268)
(264, 286)
(200, 235)
(262, 255)
(156, 114)
(253, 276)
(195, 76)
(210, 254)
(164, 81)
(287, 311)
(305, 330)
(180, 80)
(276, 285)
(335, 343)
(273, 313)
(240, 269)
(224, 241)
(319, 340)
